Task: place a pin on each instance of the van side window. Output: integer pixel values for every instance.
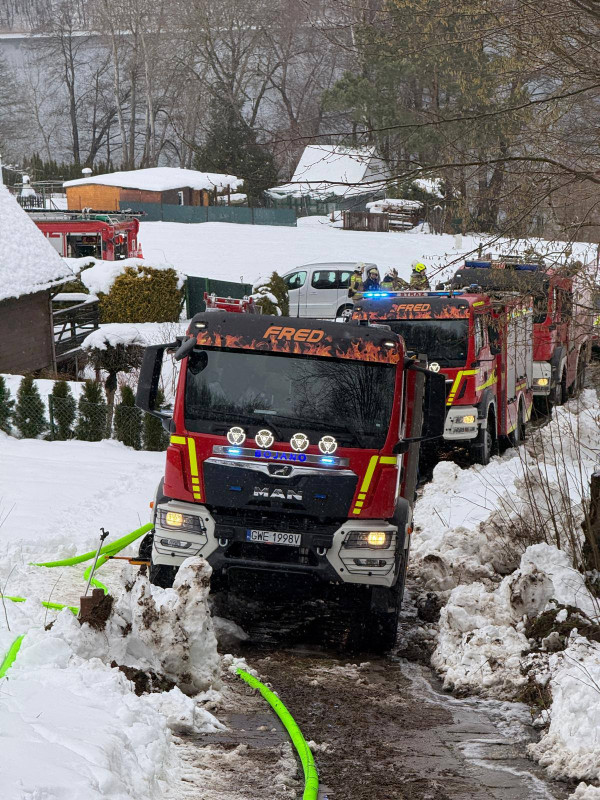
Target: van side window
(324, 279)
(296, 280)
(344, 279)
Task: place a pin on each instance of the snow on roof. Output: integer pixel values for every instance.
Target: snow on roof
(161, 179)
(395, 203)
(28, 262)
(129, 333)
(326, 169)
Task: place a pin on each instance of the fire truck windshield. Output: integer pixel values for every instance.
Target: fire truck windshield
(444, 340)
(351, 400)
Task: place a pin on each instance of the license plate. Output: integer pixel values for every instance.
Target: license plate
(274, 537)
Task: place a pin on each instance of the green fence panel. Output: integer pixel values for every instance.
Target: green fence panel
(242, 215)
(195, 288)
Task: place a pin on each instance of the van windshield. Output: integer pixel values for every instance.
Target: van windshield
(350, 400)
(443, 340)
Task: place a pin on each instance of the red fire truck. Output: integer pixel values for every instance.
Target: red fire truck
(482, 348)
(293, 458)
(563, 320)
(75, 234)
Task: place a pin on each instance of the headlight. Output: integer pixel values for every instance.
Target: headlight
(469, 419)
(541, 381)
(182, 522)
(175, 543)
(379, 540)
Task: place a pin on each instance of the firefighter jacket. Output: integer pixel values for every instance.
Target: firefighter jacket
(356, 284)
(418, 280)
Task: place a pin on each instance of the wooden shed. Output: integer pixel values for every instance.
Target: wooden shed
(169, 185)
(29, 270)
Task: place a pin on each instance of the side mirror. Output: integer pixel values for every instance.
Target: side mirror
(495, 350)
(147, 389)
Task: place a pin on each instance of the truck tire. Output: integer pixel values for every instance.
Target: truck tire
(579, 383)
(560, 392)
(381, 623)
(482, 447)
(517, 437)
(162, 575)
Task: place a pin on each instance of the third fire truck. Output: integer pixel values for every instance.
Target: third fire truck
(562, 322)
(482, 347)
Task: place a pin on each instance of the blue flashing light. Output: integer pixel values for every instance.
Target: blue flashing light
(235, 488)
(327, 460)
(376, 294)
(234, 451)
(320, 497)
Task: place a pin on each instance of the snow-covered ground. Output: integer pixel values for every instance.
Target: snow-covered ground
(247, 252)
(517, 614)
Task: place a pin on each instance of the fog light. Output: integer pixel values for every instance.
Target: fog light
(469, 419)
(173, 519)
(175, 543)
(376, 538)
(542, 381)
(370, 562)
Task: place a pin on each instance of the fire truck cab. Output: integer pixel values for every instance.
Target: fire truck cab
(293, 458)
(482, 347)
(562, 321)
(74, 234)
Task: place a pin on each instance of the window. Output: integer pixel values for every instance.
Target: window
(295, 281)
(479, 340)
(324, 279)
(180, 198)
(344, 279)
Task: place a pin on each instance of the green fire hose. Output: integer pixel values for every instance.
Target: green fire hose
(9, 658)
(311, 778)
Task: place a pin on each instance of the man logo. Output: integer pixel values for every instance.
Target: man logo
(277, 494)
(434, 366)
(282, 470)
(328, 445)
(236, 435)
(264, 438)
(299, 442)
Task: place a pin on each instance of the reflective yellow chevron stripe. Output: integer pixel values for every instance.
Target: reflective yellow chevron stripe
(389, 460)
(463, 373)
(191, 444)
(490, 382)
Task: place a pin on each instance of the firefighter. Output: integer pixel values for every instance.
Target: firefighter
(392, 282)
(356, 281)
(372, 284)
(418, 278)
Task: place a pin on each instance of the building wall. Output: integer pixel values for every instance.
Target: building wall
(101, 198)
(25, 333)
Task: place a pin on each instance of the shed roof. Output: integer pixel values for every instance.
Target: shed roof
(161, 179)
(326, 169)
(28, 262)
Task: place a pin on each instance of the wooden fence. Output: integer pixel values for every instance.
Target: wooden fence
(363, 221)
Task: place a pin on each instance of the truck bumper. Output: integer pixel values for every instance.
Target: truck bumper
(455, 427)
(340, 557)
(542, 378)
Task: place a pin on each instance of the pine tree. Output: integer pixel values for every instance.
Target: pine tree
(91, 425)
(231, 148)
(276, 288)
(128, 420)
(6, 406)
(155, 436)
(29, 417)
(63, 410)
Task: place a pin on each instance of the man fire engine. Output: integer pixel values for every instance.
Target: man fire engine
(293, 457)
(562, 329)
(483, 349)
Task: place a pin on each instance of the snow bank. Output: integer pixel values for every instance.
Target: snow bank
(161, 179)
(28, 262)
(571, 747)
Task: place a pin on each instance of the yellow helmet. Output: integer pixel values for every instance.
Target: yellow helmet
(418, 266)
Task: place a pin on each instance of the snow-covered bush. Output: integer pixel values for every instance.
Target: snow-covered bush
(272, 296)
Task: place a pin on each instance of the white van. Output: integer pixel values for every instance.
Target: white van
(321, 290)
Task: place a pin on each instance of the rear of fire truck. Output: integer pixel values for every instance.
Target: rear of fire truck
(293, 458)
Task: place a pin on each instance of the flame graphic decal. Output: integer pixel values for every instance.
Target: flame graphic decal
(408, 311)
(354, 349)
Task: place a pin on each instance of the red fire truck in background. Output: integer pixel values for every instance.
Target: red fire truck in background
(563, 319)
(75, 234)
(484, 348)
(293, 459)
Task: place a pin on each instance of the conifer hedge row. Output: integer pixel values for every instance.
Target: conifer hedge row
(86, 419)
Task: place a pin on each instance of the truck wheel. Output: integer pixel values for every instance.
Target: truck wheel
(517, 437)
(560, 393)
(162, 575)
(145, 551)
(381, 629)
(482, 448)
(345, 312)
(579, 384)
